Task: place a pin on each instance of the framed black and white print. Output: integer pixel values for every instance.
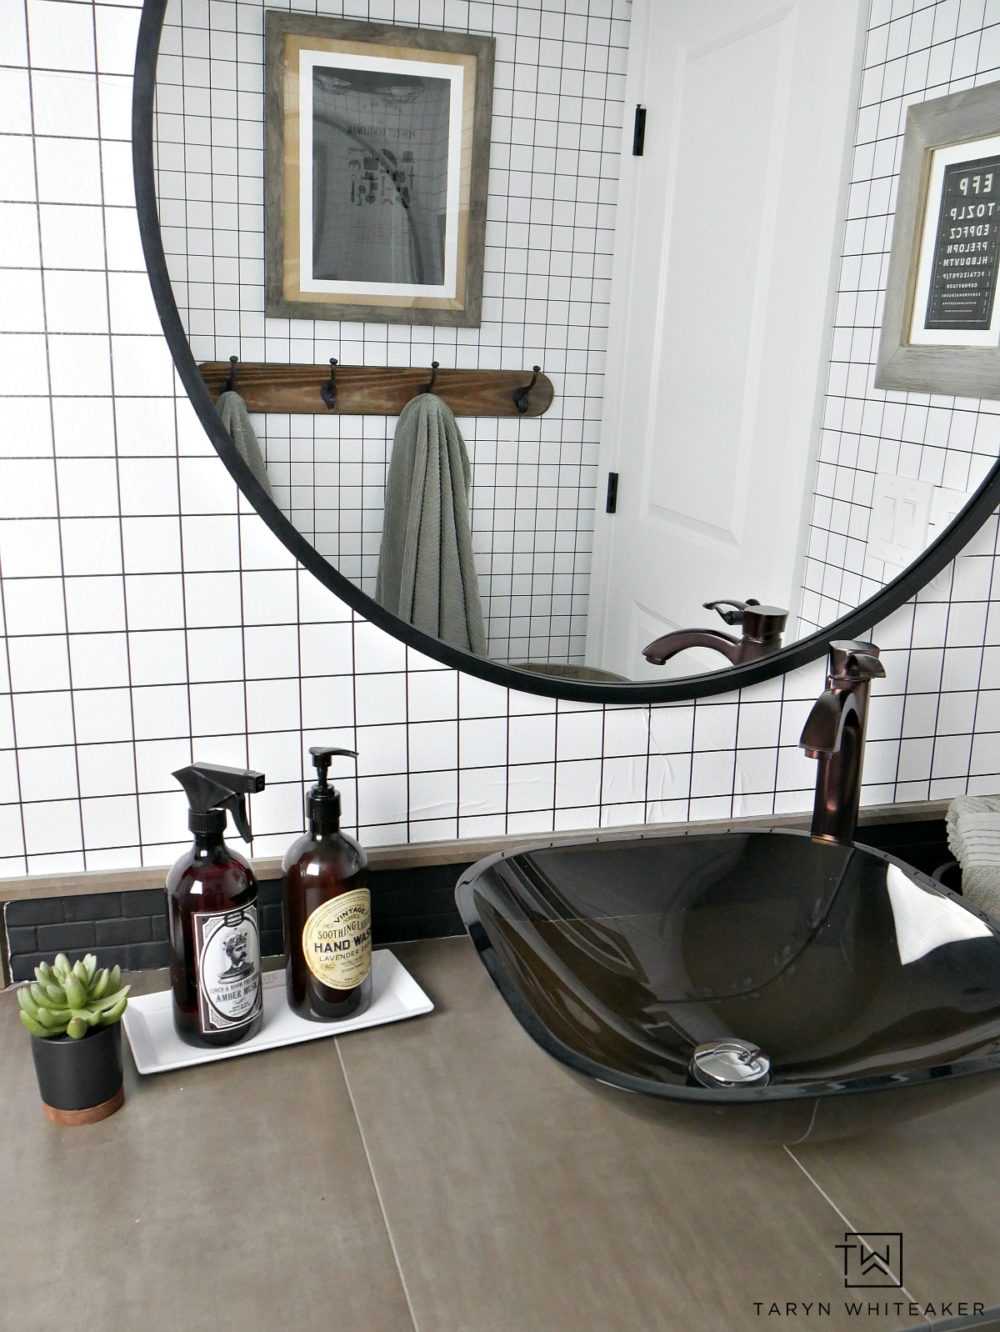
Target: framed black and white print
(941, 326)
(376, 170)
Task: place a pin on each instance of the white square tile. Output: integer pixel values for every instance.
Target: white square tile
(72, 235)
(76, 302)
(38, 662)
(432, 745)
(61, 35)
(64, 104)
(102, 715)
(326, 649)
(110, 821)
(69, 171)
(160, 711)
(273, 705)
(380, 698)
(531, 740)
(157, 657)
(210, 543)
(83, 427)
(206, 486)
(91, 545)
(151, 545)
(154, 601)
(431, 696)
(328, 704)
(17, 168)
(48, 773)
(19, 227)
(22, 310)
(106, 770)
(34, 606)
(79, 364)
(375, 650)
(116, 40)
(52, 826)
(269, 597)
(98, 659)
(531, 786)
(23, 364)
(270, 652)
(131, 304)
(43, 719)
(215, 654)
(218, 709)
(147, 486)
(145, 427)
(94, 604)
(29, 546)
(278, 755)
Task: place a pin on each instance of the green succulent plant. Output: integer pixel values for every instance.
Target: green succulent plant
(72, 997)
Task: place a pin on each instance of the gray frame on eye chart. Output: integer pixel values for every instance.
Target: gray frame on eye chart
(960, 371)
(463, 311)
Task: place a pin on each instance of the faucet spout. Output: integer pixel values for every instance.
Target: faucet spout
(662, 649)
(834, 734)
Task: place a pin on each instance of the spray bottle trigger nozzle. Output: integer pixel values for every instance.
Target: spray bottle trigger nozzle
(237, 806)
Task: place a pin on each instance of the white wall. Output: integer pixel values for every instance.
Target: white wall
(150, 617)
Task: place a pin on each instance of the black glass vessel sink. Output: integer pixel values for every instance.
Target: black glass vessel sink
(791, 986)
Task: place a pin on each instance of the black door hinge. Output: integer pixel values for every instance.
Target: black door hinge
(611, 505)
(639, 131)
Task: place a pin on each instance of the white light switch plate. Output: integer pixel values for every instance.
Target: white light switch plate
(900, 519)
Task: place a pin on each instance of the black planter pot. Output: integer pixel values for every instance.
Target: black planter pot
(80, 1081)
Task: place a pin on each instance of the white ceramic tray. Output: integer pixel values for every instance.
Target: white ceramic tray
(156, 1047)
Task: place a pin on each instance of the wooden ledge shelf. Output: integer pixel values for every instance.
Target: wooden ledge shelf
(365, 390)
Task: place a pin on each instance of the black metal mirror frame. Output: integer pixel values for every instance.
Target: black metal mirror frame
(860, 621)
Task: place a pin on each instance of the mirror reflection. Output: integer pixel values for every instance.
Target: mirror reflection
(705, 311)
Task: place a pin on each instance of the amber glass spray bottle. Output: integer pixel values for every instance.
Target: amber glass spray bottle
(327, 909)
(212, 914)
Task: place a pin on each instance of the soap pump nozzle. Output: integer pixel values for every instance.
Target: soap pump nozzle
(323, 800)
(212, 790)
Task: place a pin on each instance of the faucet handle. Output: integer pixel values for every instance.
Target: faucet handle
(855, 661)
(734, 616)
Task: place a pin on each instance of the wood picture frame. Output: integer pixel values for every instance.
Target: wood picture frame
(941, 325)
(377, 143)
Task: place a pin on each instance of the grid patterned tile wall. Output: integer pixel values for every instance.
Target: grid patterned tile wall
(914, 51)
(150, 617)
(556, 138)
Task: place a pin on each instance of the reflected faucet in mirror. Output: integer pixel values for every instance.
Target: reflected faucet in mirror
(762, 629)
(834, 734)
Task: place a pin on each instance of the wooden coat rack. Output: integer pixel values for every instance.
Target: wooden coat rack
(377, 390)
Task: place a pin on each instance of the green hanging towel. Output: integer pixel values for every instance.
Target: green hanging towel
(426, 573)
(236, 419)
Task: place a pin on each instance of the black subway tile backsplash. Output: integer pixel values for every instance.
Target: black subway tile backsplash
(130, 929)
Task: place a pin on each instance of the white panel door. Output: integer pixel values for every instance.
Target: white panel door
(730, 229)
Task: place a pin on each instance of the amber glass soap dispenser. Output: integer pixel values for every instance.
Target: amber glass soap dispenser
(327, 909)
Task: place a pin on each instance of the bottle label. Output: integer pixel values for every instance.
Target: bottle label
(337, 940)
(227, 952)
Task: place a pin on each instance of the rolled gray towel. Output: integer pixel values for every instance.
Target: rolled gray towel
(974, 838)
(236, 419)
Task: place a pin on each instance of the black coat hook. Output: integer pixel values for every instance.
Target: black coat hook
(329, 390)
(521, 395)
(230, 386)
(429, 387)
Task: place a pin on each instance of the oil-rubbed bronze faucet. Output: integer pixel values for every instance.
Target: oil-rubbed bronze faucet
(762, 629)
(834, 733)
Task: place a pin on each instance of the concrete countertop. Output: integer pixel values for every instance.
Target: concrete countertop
(444, 1174)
